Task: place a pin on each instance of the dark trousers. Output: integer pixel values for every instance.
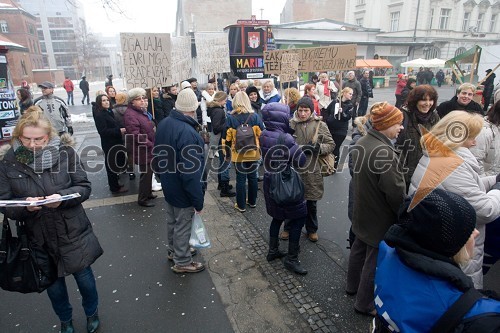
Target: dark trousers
(361, 274)
(293, 226)
(86, 95)
(145, 182)
(114, 161)
(399, 101)
(312, 217)
(338, 139)
(363, 106)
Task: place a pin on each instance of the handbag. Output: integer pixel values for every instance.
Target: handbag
(286, 186)
(326, 161)
(25, 267)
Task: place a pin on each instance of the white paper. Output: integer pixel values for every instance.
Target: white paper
(24, 203)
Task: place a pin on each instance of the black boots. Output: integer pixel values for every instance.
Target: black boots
(67, 327)
(225, 191)
(292, 259)
(274, 251)
(93, 323)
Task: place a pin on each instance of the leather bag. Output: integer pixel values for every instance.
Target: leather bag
(326, 161)
(25, 267)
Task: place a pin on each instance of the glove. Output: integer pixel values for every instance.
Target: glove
(307, 149)
(70, 130)
(315, 147)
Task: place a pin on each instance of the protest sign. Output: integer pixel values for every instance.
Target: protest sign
(9, 113)
(212, 52)
(181, 58)
(314, 59)
(289, 67)
(146, 60)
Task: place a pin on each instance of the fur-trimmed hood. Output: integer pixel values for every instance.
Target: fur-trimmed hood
(66, 140)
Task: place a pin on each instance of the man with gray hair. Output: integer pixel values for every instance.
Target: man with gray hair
(179, 160)
(354, 84)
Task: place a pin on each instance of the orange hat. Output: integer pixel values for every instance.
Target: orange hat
(385, 115)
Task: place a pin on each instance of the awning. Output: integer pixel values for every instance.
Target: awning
(419, 62)
(373, 63)
(467, 57)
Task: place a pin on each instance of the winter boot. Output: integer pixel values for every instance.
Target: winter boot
(219, 187)
(291, 261)
(225, 191)
(274, 250)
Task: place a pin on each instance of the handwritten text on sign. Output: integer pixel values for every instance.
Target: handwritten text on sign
(181, 58)
(289, 67)
(146, 60)
(212, 50)
(314, 59)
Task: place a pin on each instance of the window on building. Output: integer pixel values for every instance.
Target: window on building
(360, 2)
(493, 22)
(23, 67)
(31, 29)
(432, 53)
(394, 21)
(65, 60)
(431, 18)
(40, 34)
(62, 34)
(460, 50)
(359, 22)
(465, 24)
(42, 47)
(4, 28)
(480, 19)
(444, 18)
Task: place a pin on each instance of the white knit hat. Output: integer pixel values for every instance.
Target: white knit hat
(186, 101)
(135, 92)
(185, 84)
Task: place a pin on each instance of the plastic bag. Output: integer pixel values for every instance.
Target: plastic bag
(199, 236)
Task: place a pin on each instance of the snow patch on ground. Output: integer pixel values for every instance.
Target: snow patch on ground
(81, 118)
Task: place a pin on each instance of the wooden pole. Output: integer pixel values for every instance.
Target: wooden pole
(487, 76)
(152, 104)
(474, 65)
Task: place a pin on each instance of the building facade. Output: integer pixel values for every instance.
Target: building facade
(209, 15)
(19, 26)
(444, 28)
(59, 24)
(305, 10)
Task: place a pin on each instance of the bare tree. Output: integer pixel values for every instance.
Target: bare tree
(110, 6)
(90, 53)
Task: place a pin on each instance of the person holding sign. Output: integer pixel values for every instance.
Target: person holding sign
(39, 164)
(327, 92)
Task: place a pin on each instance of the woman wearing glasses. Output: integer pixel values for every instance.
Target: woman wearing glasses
(39, 164)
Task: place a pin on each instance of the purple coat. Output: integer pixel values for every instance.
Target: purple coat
(140, 136)
(276, 119)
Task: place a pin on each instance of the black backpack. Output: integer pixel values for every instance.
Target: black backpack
(245, 138)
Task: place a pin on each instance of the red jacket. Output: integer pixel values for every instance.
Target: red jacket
(400, 84)
(68, 85)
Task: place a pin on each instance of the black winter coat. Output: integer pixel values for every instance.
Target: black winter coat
(339, 124)
(446, 107)
(217, 117)
(108, 129)
(66, 230)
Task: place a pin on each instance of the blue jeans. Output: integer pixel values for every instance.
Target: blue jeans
(224, 167)
(58, 294)
(244, 171)
(70, 97)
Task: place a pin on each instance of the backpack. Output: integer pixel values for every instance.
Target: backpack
(245, 138)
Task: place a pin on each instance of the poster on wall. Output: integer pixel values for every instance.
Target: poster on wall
(9, 113)
(147, 60)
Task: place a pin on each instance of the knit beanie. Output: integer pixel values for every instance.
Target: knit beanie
(186, 101)
(385, 115)
(306, 102)
(121, 98)
(135, 92)
(251, 89)
(442, 222)
(185, 84)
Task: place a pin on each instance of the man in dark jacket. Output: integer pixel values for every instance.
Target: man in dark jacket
(84, 86)
(489, 86)
(179, 160)
(354, 84)
(169, 97)
(366, 93)
(379, 190)
(462, 101)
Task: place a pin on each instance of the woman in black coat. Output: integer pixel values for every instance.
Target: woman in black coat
(39, 164)
(339, 123)
(111, 142)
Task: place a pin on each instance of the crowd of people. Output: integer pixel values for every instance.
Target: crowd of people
(422, 197)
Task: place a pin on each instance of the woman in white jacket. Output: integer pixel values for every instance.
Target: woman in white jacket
(448, 164)
(487, 149)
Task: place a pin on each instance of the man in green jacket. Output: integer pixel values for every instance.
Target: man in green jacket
(379, 190)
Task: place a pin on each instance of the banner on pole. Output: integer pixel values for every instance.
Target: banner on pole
(289, 67)
(314, 59)
(181, 58)
(212, 52)
(147, 60)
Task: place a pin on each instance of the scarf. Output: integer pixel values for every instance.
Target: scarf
(423, 118)
(41, 159)
(326, 90)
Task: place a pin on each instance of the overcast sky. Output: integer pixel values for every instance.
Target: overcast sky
(157, 16)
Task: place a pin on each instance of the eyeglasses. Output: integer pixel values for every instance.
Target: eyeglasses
(39, 140)
(139, 98)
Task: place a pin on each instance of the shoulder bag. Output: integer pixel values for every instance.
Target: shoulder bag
(25, 267)
(326, 162)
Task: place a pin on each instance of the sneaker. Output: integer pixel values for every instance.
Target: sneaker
(193, 267)
(216, 154)
(241, 210)
(250, 205)
(170, 254)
